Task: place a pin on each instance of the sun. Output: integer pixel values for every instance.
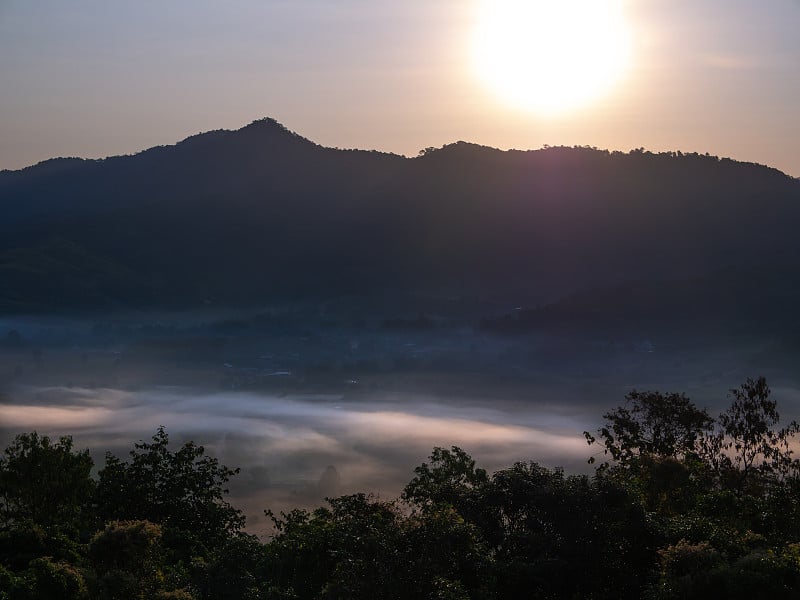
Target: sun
(551, 56)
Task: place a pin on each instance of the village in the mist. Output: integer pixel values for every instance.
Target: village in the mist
(312, 405)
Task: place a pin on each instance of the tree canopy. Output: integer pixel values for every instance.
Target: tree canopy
(182, 490)
(45, 482)
(686, 506)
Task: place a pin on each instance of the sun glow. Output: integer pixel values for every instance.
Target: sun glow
(551, 56)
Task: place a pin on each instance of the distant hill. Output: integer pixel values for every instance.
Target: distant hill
(732, 301)
(261, 215)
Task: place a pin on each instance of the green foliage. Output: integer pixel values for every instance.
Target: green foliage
(691, 508)
(8, 582)
(346, 551)
(445, 556)
(129, 563)
(20, 545)
(746, 450)
(720, 494)
(45, 483)
(181, 594)
(652, 424)
(236, 570)
(182, 490)
(130, 545)
(560, 536)
(126, 560)
(700, 571)
(361, 547)
(778, 515)
(449, 478)
(445, 589)
(675, 457)
(686, 570)
(47, 579)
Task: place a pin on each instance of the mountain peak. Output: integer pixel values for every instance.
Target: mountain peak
(269, 126)
(258, 131)
(261, 214)
(264, 123)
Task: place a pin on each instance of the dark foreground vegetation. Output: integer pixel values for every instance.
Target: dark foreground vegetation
(686, 506)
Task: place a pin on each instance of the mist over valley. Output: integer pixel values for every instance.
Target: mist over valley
(322, 318)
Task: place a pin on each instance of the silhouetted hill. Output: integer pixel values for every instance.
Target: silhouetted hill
(262, 214)
(750, 301)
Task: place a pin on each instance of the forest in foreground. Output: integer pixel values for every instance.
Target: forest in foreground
(681, 504)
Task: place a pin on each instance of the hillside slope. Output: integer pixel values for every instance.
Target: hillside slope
(262, 214)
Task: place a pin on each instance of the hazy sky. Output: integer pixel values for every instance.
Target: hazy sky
(101, 77)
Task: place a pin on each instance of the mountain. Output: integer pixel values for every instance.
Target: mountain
(262, 214)
(753, 301)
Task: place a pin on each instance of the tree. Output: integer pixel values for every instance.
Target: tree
(558, 536)
(350, 550)
(237, 570)
(720, 495)
(128, 562)
(45, 483)
(450, 478)
(746, 448)
(362, 547)
(701, 571)
(652, 424)
(183, 491)
(444, 556)
(47, 579)
(656, 441)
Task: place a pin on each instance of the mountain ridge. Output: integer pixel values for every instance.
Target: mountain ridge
(262, 213)
(271, 125)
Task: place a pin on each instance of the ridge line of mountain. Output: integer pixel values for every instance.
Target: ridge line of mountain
(262, 214)
(271, 125)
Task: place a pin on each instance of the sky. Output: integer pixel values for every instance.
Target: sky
(94, 78)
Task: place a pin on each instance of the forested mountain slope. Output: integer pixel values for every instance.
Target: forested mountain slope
(262, 214)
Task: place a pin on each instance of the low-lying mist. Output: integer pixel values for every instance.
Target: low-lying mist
(295, 450)
(328, 410)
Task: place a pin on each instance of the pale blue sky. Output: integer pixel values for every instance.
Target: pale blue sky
(94, 78)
